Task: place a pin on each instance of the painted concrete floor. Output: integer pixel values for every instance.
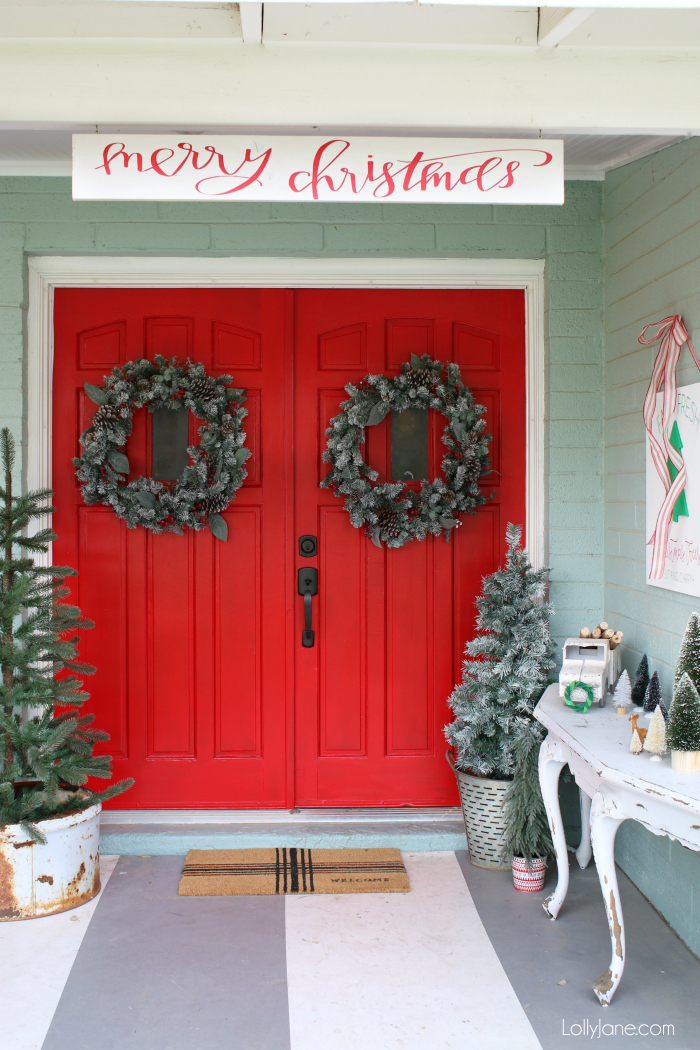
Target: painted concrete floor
(462, 961)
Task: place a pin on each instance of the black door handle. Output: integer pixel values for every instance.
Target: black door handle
(308, 586)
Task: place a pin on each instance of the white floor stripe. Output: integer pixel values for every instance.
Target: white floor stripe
(36, 956)
(411, 971)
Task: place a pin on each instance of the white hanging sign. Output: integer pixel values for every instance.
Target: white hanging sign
(305, 168)
(681, 569)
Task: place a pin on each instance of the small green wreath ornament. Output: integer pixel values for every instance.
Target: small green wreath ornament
(216, 471)
(578, 695)
(390, 514)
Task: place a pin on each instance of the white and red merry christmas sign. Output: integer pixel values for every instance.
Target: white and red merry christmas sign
(305, 168)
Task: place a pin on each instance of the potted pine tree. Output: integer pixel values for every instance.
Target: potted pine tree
(527, 839)
(494, 736)
(49, 821)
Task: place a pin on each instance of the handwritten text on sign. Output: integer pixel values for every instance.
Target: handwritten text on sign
(290, 168)
(682, 567)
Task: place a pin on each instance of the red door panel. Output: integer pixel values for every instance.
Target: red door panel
(193, 640)
(391, 625)
(342, 729)
(191, 669)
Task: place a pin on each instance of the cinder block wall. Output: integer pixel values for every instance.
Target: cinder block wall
(652, 270)
(37, 216)
(652, 251)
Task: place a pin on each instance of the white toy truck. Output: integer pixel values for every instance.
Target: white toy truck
(590, 660)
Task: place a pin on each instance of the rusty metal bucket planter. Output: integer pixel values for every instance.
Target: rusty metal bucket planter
(38, 879)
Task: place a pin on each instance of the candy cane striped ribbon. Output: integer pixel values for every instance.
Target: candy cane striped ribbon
(672, 333)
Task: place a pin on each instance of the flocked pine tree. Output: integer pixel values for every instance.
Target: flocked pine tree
(46, 755)
(683, 728)
(689, 653)
(503, 676)
(641, 682)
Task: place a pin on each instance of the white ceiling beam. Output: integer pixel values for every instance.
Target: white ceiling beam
(556, 23)
(251, 22)
(217, 84)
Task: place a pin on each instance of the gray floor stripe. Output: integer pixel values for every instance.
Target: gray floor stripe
(661, 983)
(160, 972)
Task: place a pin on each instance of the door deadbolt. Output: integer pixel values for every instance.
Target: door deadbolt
(308, 547)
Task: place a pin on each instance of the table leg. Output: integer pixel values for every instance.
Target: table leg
(604, 825)
(583, 853)
(551, 762)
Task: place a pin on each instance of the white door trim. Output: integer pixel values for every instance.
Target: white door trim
(49, 272)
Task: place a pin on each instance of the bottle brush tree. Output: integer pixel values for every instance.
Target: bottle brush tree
(46, 745)
(683, 728)
(655, 740)
(689, 653)
(623, 691)
(641, 682)
(504, 674)
(652, 697)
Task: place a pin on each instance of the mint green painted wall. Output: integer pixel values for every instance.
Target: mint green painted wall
(651, 260)
(652, 270)
(37, 216)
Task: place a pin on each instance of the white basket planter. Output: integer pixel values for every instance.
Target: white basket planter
(38, 879)
(485, 824)
(532, 880)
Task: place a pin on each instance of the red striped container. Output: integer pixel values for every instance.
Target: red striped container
(531, 881)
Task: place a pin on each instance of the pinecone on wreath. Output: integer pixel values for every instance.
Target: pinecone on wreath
(202, 389)
(216, 504)
(419, 377)
(105, 417)
(143, 384)
(228, 425)
(388, 521)
(472, 467)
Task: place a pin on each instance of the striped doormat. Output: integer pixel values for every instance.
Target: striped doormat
(225, 872)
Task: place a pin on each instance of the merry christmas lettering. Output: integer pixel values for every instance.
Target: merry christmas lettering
(329, 171)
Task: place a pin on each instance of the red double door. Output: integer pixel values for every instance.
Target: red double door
(202, 680)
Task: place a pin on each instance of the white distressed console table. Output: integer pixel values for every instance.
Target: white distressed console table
(615, 785)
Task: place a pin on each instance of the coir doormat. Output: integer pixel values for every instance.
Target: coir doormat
(224, 872)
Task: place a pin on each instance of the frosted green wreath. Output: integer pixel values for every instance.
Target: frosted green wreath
(205, 487)
(390, 513)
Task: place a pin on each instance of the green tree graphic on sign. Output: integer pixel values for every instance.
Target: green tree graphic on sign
(680, 507)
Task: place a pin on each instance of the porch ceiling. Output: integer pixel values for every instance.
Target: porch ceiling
(480, 23)
(616, 83)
